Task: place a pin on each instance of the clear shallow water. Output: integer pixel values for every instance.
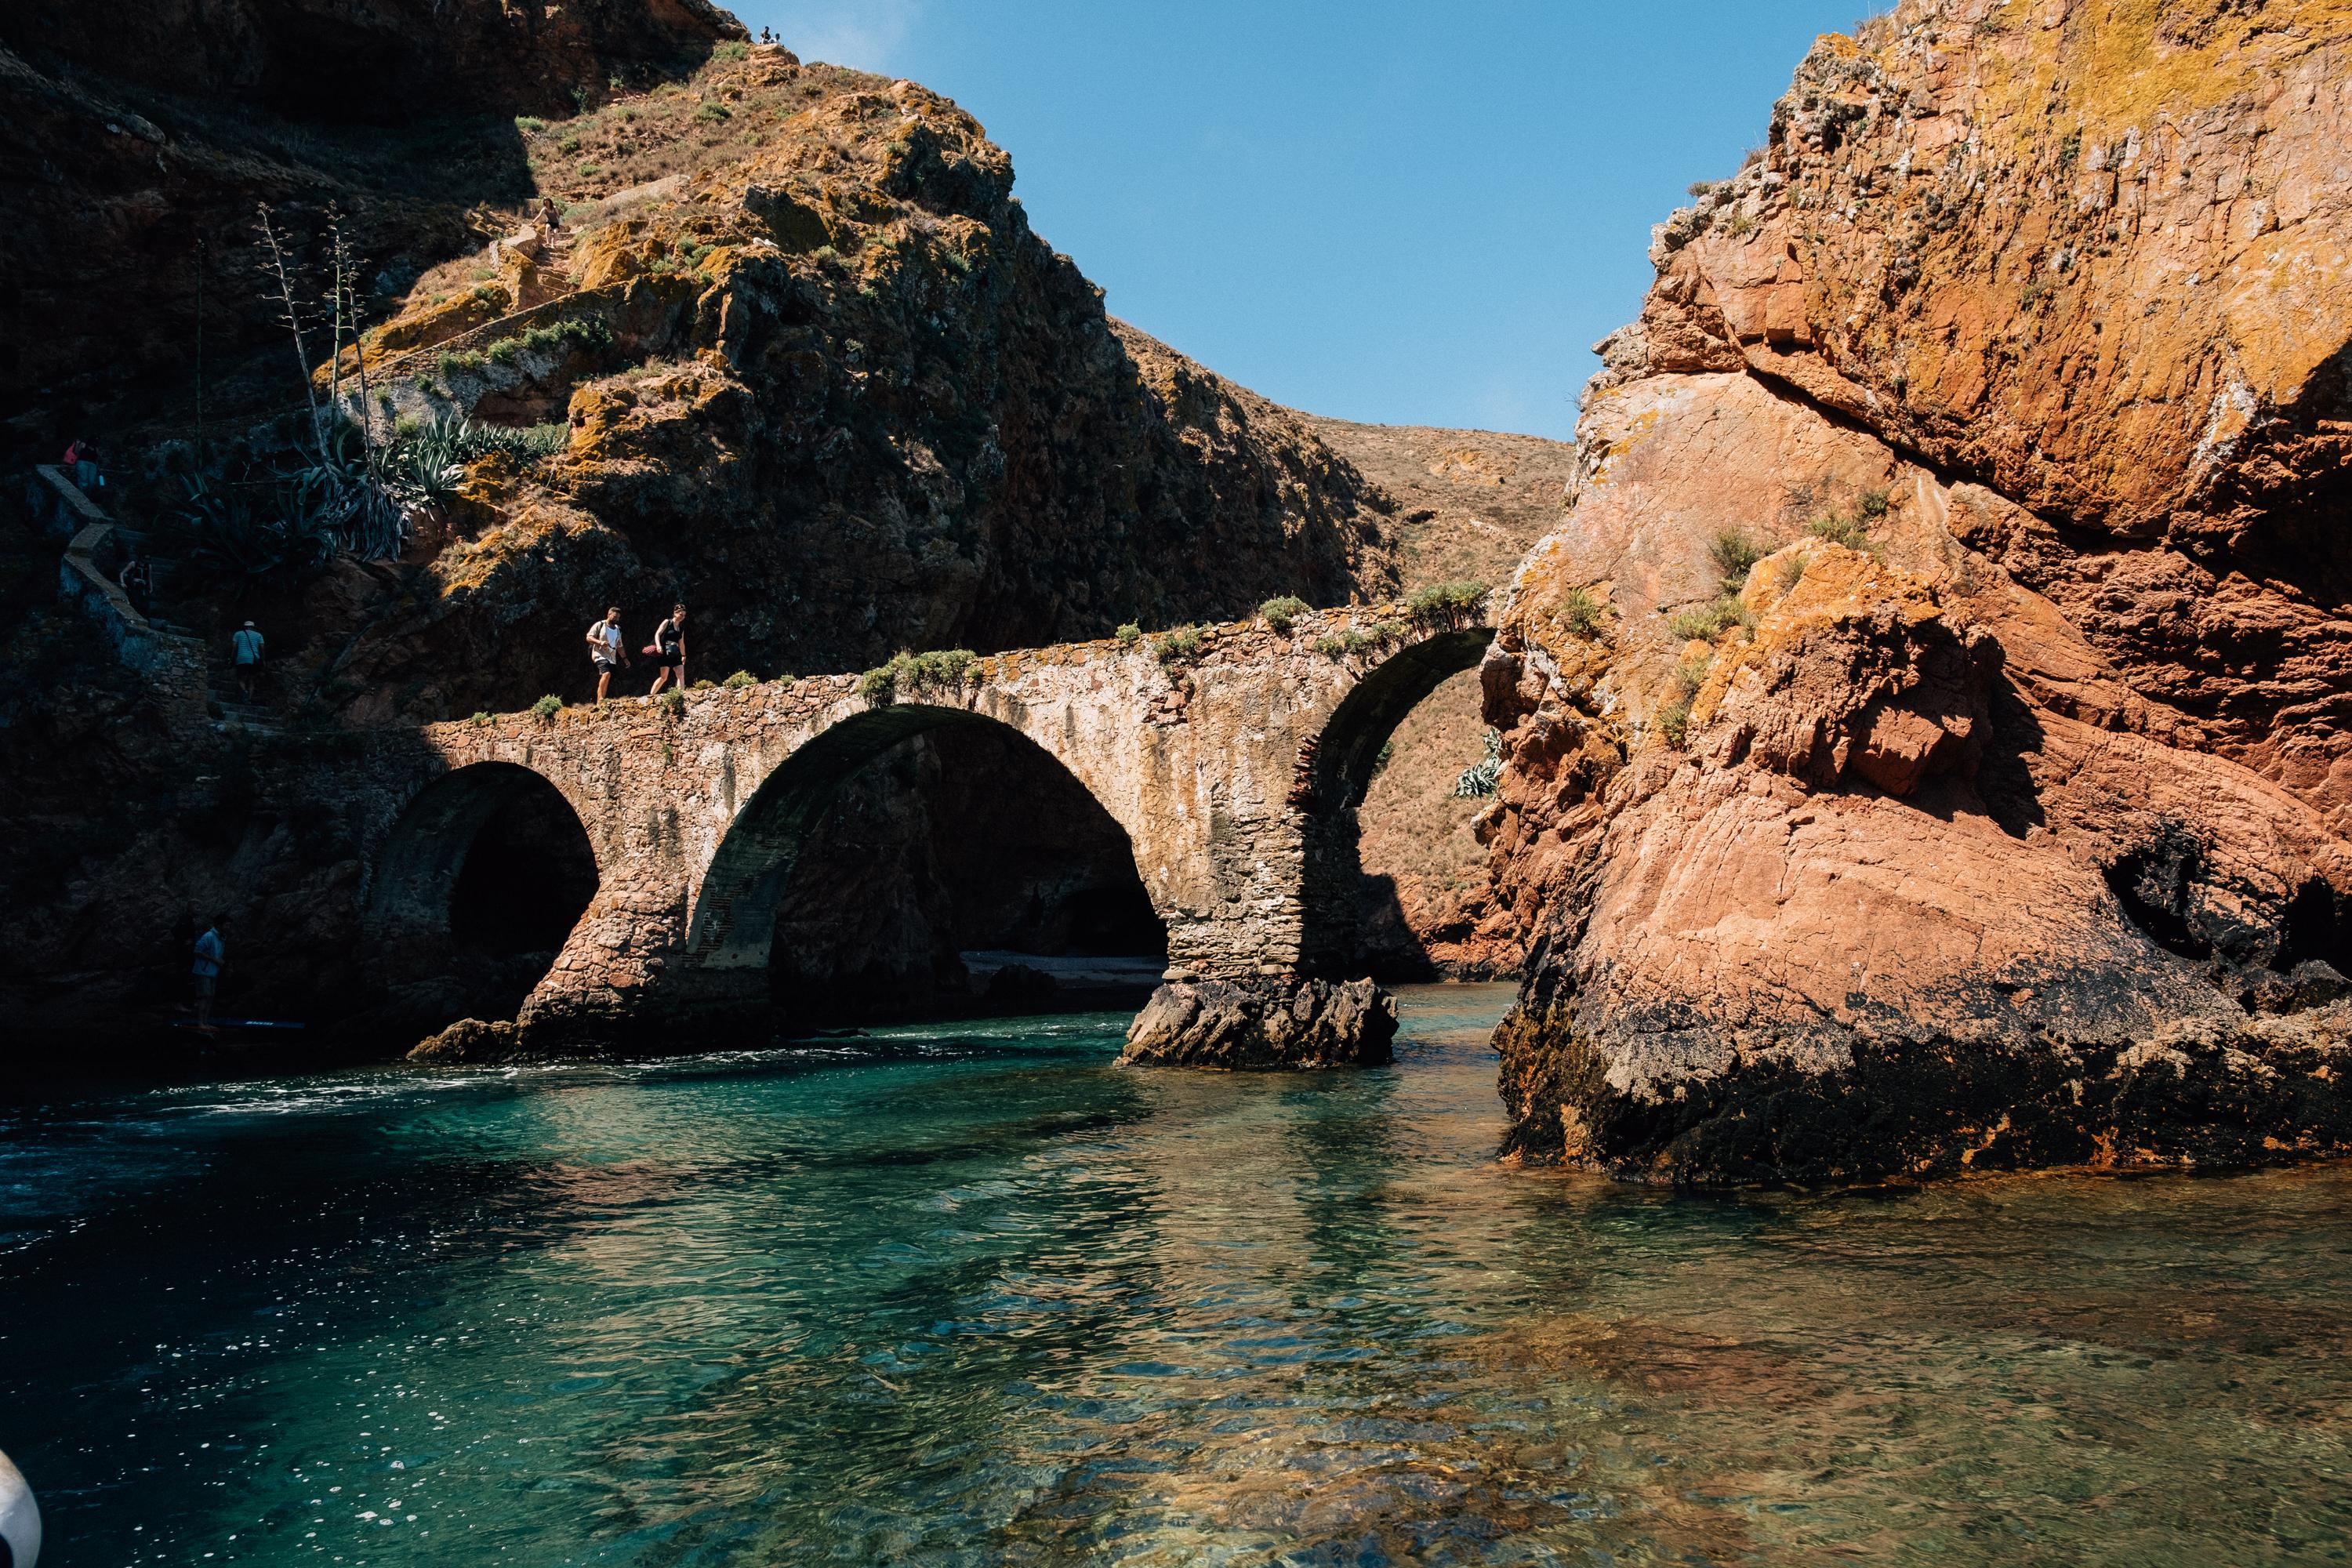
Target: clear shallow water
(975, 1298)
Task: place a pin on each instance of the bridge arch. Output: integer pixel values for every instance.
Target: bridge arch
(1346, 754)
(790, 825)
(488, 861)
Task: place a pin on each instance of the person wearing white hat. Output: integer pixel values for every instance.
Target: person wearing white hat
(246, 656)
(20, 1518)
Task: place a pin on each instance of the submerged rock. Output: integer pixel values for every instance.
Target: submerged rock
(1281, 1024)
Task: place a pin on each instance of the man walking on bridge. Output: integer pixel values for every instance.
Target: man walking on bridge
(604, 650)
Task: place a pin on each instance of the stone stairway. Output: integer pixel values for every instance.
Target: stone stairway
(167, 651)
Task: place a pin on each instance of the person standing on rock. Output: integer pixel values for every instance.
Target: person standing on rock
(604, 650)
(203, 975)
(245, 657)
(668, 651)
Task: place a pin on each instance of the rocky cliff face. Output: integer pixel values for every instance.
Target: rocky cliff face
(827, 386)
(804, 364)
(1926, 739)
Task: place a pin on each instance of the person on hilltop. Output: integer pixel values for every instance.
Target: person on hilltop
(668, 651)
(245, 659)
(604, 650)
(203, 973)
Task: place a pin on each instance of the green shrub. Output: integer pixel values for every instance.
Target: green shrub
(942, 666)
(503, 352)
(1130, 633)
(547, 707)
(739, 679)
(827, 253)
(529, 124)
(1181, 643)
(1839, 528)
(1580, 613)
(939, 668)
(1280, 613)
(1734, 553)
(702, 685)
(712, 113)
(1330, 646)
(481, 718)
(568, 144)
(1673, 719)
(732, 49)
(673, 702)
(1710, 623)
(1792, 572)
(1873, 505)
(1445, 601)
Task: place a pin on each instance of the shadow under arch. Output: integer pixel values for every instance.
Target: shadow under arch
(489, 863)
(733, 927)
(1347, 755)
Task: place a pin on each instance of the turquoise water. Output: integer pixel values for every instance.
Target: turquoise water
(973, 1296)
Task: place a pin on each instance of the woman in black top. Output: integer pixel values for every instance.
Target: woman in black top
(669, 650)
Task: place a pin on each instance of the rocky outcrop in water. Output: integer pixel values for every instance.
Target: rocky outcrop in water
(1269, 1025)
(1926, 739)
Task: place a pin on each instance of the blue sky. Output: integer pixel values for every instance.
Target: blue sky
(1410, 214)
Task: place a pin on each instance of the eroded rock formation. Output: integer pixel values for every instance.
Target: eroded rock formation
(1994, 816)
(1264, 1027)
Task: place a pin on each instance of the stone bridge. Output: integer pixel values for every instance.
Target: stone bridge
(1234, 768)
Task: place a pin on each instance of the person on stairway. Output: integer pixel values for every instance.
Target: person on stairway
(245, 657)
(81, 462)
(137, 581)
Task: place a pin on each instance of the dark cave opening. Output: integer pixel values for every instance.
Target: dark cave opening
(962, 872)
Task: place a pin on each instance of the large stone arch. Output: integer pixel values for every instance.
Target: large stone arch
(1346, 754)
(433, 905)
(426, 851)
(733, 919)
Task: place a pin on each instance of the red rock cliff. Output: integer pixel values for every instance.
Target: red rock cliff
(1996, 814)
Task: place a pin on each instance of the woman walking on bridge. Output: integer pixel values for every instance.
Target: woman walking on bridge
(668, 651)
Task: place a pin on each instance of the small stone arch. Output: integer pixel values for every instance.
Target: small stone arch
(734, 917)
(1345, 755)
(418, 908)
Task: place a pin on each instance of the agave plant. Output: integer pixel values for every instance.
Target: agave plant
(226, 530)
